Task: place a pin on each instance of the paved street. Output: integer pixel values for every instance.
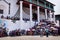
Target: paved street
(31, 38)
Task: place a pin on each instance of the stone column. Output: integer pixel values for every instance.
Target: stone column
(46, 13)
(50, 16)
(31, 12)
(21, 10)
(38, 15)
(30, 15)
(21, 26)
(54, 17)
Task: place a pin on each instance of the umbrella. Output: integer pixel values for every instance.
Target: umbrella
(54, 28)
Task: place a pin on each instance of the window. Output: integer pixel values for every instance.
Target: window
(1, 11)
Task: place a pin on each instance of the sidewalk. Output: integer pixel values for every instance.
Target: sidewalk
(31, 38)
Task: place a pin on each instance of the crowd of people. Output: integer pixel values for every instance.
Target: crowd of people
(3, 32)
(45, 27)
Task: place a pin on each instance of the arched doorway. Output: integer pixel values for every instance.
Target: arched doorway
(34, 17)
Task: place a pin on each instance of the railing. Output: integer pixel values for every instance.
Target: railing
(40, 4)
(35, 2)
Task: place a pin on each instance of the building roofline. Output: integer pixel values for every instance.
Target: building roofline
(50, 3)
(57, 14)
(45, 0)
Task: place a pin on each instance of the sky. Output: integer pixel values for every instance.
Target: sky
(57, 5)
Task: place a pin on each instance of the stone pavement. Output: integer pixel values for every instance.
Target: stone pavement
(31, 38)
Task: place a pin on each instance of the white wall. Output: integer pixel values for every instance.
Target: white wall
(26, 13)
(5, 7)
(13, 26)
(10, 25)
(14, 7)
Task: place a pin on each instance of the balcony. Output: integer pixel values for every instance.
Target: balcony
(41, 3)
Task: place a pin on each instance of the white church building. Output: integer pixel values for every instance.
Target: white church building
(22, 14)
